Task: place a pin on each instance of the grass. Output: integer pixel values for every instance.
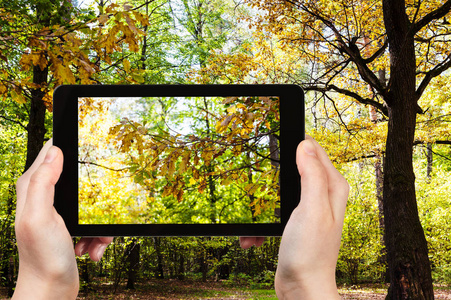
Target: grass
(175, 289)
(192, 289)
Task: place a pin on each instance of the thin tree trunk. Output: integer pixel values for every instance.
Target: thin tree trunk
(157, 245)
(378, 172)
(133, 258)
(430, 157)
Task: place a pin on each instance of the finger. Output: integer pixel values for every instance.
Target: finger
(338, 187)
(94, 246)
(82, 246)
(41, 187)
(98, 247)
(323, 157)
(23, 181)
(314, 181)
(248, 241)
(259, 241)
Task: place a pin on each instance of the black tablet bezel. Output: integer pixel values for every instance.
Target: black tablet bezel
(65, 136)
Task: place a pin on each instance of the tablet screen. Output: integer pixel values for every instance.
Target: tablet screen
(178, 160)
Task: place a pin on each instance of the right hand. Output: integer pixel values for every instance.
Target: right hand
(310, 243)
(94, 246)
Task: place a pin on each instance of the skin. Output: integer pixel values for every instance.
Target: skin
(307, 256)
(310, 244)
(47, 268)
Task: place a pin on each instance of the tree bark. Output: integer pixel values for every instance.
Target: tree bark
(36, 124)
(408, 262)
(430, 159)
(158, 251)
(133, 258)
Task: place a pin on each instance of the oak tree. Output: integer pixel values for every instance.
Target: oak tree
(382, 54)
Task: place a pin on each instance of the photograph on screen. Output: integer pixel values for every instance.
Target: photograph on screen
(178, 160)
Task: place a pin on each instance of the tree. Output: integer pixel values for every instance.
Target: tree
(346, 44)
(162, 163)
(12, 144)
(47, 43)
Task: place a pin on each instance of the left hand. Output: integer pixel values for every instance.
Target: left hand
(47, 269)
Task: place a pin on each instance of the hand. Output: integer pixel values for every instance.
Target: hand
(94, 246)
(47, 269)
(249, 241)
(311, 240)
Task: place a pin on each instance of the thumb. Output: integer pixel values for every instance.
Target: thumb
(41, 188)
(314, 183)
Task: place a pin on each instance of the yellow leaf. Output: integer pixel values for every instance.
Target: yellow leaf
(126, 64)
(137, 77)
(170, 166)
(3, 89)
(227, 181)
(240, 105)
(25, 61)
(132, 26)
(18, 97)
(231, 109)
(103, 18)
(180, 195)
(185, 161)
(86, 66)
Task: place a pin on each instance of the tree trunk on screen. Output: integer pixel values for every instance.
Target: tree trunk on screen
(430, 160)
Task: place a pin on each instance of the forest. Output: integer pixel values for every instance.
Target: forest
(178, 160)
(377, 82)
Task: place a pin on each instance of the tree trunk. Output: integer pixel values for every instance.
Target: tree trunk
(157, 245)
(408, 262)
(430, 159)
(36, 126)
(85, 275)
(181, 266)
(133, 258)
(378, 172)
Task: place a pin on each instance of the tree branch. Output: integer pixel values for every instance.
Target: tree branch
(439, 142)
(379, 106)
(101, 166)
(360, 157)
(433, 15)
(350, 48)
(14, 121)
(437, 70)
(377, 53)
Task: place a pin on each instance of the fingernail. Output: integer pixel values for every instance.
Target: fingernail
(52, 153)
(309, 148)
(100, 251)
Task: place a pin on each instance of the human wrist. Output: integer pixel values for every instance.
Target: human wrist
(315, 287)
(33, 287)
(308, 293)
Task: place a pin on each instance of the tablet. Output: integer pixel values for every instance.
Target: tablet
(177, 160)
